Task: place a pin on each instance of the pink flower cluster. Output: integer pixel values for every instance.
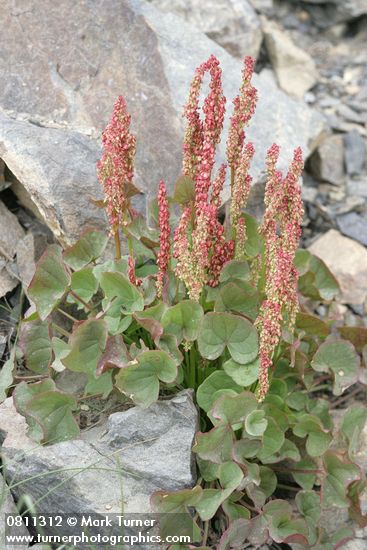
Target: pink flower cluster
(163, 257)
(131, 272)
(115, 170)
(199, 241)
(281, 229)
(244, 108)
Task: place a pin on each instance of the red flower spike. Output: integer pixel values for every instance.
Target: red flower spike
(115, 170)
(163, 257)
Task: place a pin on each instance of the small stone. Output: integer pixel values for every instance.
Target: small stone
(355, 153)
(347, 260)
(327, 163)
(295, 69)
(358, 187)
(262, 6)
(350, 115)
(354, 226)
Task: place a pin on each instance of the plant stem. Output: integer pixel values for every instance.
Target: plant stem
(287, 487)
(85, 304)
(61, 330)
(232, 177)
(117, 244)
(34, 377)
(67, 315)
(206, 532)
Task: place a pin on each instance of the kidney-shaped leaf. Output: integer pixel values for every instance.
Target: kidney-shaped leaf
(49, 282)
(183, 320)
(218, 381)
(36, 345)
(221, 330)
(140, 381)
(86, 345)
(89, 247)
(340, 358)
(116, 285)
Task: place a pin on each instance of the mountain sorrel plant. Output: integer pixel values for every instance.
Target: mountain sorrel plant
(220, 306)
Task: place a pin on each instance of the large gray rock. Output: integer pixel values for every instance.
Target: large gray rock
(57, 168)
(116, 467)
(231, 23)
(68, 72)
(295, 69)
(7, 506)
(10, 233)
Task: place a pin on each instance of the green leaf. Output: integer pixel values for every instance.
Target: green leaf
(245, 448)
(110, 266)
(150, 319)
(339, 475)
(86, 345)
(316, 281)
(36, 345)
(282, 526)
(352, 425)
(210, 501)
(234, 409)
(114, 356)
(235, 269)
(256, 423)
(6, 375)
(273, 439)
(116, 285)
(61, 350)
(242, 532)
(215, 445)
(184, 191)
(308, 503)
(356, 335)
(49, 282)
(141, 381)
(100, 385)
(168, 343)
(53, 412)
(300, 473)
(208, 470)
(318, 439)
(288, 451)
(230, 476)
(235, 511)
(221, 330)
(243, 375)
(84, 284)
(48, 411)
(176, 501)
(207, 394)
(183, 320)
(340, 358)
(312, 325)
(239, 298)
(259, 492)
(254, 240)
(88, 248)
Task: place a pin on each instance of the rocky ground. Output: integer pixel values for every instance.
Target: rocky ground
(60, 76)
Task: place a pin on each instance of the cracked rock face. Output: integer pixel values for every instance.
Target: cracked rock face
(66, 72)
(115, 467)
